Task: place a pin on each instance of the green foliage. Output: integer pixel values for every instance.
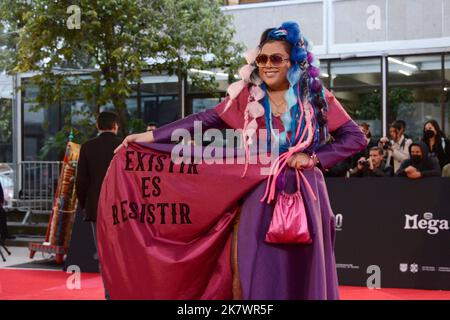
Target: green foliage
(136, 125)
(8, 43)
(370, 106)
(197, 35)
(54, 144)
(400, 98)
(5, 121)
(116, 40)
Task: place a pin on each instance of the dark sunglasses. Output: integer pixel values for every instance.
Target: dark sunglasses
(275, 59)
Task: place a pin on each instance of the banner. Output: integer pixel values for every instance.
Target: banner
(393, 227)
(168, 226)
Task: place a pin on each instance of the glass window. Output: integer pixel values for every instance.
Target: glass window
(414, 69)
(5, 130)
(355, 72)
(447, 70)
(33, 120)
(132, 106)
(199, 105)
(324, 76)
(41, 123)
(235, 2)
(415, 105)
(356, 83)
(153, 85)
(161, 109)
(363, 105)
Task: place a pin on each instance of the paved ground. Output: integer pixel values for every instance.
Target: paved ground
(20, 255)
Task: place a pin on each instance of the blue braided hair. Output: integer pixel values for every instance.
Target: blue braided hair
(304, 68)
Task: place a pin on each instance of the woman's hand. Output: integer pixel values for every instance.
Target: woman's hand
(139, 137)
(300, 160)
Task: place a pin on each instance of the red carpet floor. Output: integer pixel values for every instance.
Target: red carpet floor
(51, 285)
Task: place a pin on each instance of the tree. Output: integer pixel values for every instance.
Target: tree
(8, 43)
(109, 37)
(5, 121)
(197, 35)
(115, 40)
(400, 98)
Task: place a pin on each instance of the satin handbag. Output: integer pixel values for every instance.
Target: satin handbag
(289, 223)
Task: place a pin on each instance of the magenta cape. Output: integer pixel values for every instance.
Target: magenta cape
(163, 234)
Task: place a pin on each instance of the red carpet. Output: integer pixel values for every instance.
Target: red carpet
(47, 285)
(51, 285)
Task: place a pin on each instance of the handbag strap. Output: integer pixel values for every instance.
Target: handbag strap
(299, 175)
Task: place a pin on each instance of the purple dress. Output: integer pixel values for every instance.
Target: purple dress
(288, 272)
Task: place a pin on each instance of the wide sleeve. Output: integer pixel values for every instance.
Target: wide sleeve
(336, 115)
(348, 137)
(209, 119)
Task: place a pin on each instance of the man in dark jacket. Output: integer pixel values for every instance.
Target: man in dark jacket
(374, 166)
(95, 157)
(419, 165)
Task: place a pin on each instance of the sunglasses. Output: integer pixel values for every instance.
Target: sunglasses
(275, 59)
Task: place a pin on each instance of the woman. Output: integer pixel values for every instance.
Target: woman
(438, 144)
(397, 147)
(280, 89)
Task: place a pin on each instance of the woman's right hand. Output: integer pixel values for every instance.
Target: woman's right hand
(138, 137)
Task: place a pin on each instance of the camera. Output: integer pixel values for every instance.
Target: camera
(387, 145)
(363, 162)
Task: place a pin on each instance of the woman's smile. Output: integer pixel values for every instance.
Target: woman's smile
(271, 72)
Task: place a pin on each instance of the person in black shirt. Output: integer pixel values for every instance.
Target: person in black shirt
(95, 157)
(438, 145)
(419, 165)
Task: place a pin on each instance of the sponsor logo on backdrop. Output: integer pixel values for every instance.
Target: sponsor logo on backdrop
(432, 226)
(339, 220)
(347, 266)
(414, 268)
(403, 267)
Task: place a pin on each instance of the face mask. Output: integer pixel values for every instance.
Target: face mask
(429, 134)
(416, 159)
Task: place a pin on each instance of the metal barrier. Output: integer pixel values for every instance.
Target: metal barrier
(32, 184)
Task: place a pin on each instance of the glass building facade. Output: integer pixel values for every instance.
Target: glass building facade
(372, 57)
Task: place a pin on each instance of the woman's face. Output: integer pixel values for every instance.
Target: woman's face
(429, 126)
(393, 133)
(275, 76)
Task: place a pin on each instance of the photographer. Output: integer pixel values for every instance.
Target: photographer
(374, 166)
(371, 142)
(397, 147)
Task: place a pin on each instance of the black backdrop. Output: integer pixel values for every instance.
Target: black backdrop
(391, 223)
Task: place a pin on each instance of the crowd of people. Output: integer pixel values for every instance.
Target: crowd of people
(398, 155)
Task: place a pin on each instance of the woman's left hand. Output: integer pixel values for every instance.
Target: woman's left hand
(300, 160)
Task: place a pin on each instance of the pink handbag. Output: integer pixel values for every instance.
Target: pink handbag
(289, 223)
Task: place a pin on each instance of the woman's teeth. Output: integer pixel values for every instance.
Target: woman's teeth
(271, 73)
